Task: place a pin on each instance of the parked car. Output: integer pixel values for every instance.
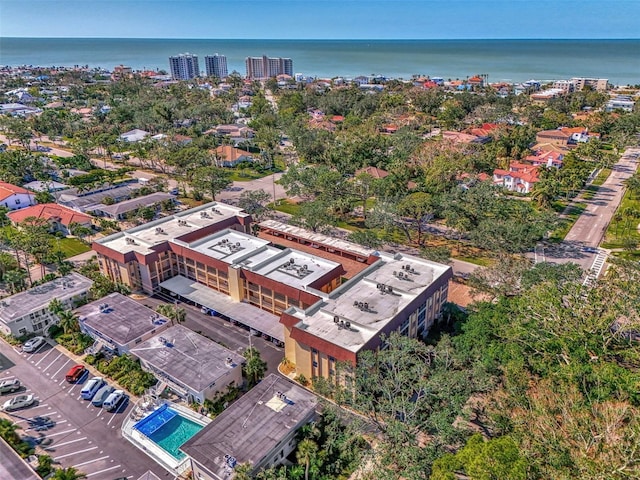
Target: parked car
(91, 387)
(114, 400)
(9, 386)
(33, 344)
(20, 401)
(101, 395)
(75, 373)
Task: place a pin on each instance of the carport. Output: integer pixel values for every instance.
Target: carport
(203, 296)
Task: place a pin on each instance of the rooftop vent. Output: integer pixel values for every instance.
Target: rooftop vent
(229, 362)
(130, 241)
(159, 230)
(183, 223)
(230, 461)
(204, 214)
(336, 319)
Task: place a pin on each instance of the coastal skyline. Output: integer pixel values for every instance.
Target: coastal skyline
(324, 19)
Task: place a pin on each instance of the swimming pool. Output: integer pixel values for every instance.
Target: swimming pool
(173, 434)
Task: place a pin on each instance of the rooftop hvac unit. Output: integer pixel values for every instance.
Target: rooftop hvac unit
(237, 244)
(395, 273)
(159, 230)
(366, 306)
(400, 274)
(390, 289)
(347, 324)
(292, 261)
(336, 319)
(229, 362)
(204, 214)
(304, 268)
(355, 303)
(408, 267)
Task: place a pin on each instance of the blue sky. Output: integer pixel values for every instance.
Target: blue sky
(321, 19)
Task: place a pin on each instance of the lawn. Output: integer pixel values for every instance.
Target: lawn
(246, 175)
(71, 246)
(285, 206)
(567, 222)
(622, 227)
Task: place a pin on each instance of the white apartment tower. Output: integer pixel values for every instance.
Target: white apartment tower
(268, 67)
(216, 66)
(184, 66)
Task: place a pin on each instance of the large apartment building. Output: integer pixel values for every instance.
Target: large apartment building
(268, 67)
(184, 66)
(216, 66)
(206, 256)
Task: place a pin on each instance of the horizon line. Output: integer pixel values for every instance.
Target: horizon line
(326, 39)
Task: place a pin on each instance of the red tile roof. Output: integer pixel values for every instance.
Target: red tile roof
(49, 211)
(7, 189)
(375, 172)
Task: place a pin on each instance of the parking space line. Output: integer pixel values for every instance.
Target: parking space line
(57, 445)
(74, 453)
(58, 371)
(29, 355)
(90, 461)
(47, 354)
(111, 419)
(53, 361)
(102, 471)
(62, 433)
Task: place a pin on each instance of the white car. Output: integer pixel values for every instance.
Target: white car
(114, 400)
(91, 387)
(33, 344)
(20, 401)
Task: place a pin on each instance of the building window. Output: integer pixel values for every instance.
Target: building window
(315, 364)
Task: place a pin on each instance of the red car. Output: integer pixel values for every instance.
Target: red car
(75, 373)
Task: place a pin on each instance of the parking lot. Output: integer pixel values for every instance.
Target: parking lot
(70, 429)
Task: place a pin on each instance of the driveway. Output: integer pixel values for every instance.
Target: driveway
(231, 336)
(69, 429)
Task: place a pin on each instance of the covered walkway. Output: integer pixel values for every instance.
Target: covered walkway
(218, 303)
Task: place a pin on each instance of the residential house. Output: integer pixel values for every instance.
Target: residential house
(133, 136)
(59, 217)
(555, 137)
(259, 429)
(119, 211)
(14, 197)
(519, 178)
(28, 312)
(228, 156)
(461, 137)
(546, 158)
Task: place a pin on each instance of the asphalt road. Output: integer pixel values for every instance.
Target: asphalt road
(226, 333)
(76, 433)
(588, 231)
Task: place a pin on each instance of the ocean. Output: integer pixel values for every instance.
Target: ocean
(502, 60)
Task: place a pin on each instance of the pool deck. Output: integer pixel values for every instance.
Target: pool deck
(145, 407)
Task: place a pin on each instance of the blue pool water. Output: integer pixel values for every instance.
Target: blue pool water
(173, 434)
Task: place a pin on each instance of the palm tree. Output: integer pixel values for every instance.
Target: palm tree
(172, 312)
(69, 473)
(56, 307)
(15, 279)
(7, 263)
(68, 321)
(307, 450)
(243, 471)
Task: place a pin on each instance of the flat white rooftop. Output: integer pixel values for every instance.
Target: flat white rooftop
(295, 268)
(244, 313)
(231, 247)
(354, 313)
(143, 237)
(38, 298)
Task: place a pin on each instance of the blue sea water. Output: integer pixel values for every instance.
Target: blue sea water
(508, 60)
